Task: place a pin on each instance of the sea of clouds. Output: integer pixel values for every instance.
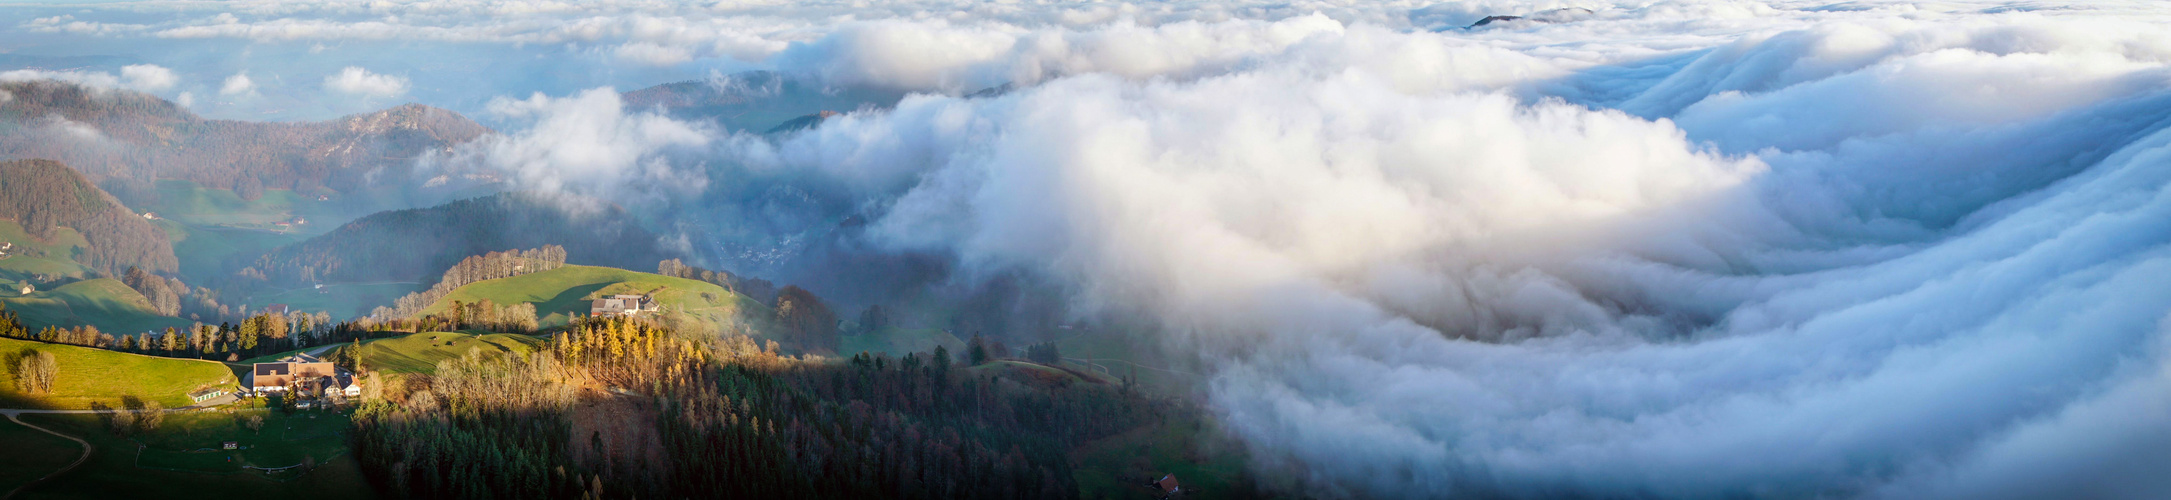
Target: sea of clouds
(1672, 249)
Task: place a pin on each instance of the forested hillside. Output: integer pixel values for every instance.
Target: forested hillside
(134, 138)
(622, 408)
(43, 195)
(420, 244)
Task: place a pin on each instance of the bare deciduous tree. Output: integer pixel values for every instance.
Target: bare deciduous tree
(35, 372)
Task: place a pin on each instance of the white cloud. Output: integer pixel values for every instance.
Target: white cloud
(653, 54)
(148, 77)
(357, 81)
(588, 143)
(239, 84)
(1408, 280)
(1669, 249)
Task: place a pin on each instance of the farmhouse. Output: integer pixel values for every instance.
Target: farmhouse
(1167, 486)
(346, 384)
(623, 305)
(275, 377)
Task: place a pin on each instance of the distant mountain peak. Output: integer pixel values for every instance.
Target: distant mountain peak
(151, 138)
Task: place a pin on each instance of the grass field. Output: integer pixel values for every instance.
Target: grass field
(55, 256)
(105, 303)
(901, 341)
(420, 353)
(559, 294)
(183, 458)
(31, 454)
(195, 205)
(1208, 465)
(342, 300)
(89, 376)
(206, 250)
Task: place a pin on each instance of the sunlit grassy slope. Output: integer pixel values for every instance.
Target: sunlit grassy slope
(88, 376)
(560, 294)
(420, 353)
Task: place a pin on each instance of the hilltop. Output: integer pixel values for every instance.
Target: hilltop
(560, 294)
(96, 376)
(418, 244)
(133, 136)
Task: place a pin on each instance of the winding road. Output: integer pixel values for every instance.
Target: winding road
(14, 414)
(87, 448)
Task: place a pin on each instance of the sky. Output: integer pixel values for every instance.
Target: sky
(1674, 249)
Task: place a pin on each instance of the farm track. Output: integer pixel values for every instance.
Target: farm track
(87, 448)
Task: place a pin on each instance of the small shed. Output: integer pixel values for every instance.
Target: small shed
(202, 395)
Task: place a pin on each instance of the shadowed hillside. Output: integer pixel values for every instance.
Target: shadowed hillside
(418, 244)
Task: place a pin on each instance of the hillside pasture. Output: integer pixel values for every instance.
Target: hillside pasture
(31, 454)
(95, 376)
(561, 294)
(104, 302)
(184, 459)
(52, 256)
(420, 352)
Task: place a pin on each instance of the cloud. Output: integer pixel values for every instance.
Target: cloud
(1668, 249)
(357, 81)
(148, 77)
(653, 54)
(589, 144)
(1919, 257)
(239, 84)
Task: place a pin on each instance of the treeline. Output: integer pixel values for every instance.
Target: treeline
(416, 244)
(44, 195)
(732, 419)
(479, 315)
(255, 336)
(756, 288)
(487, 266)
(150, 139)
(806, 321)
(171, 297)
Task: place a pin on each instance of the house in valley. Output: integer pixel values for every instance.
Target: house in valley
(623, 305)
(1167, 486)
(348, 385)
(275, 377)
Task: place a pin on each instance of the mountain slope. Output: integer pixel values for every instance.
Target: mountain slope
(44, 195)
(419, 244)
(129, 135)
